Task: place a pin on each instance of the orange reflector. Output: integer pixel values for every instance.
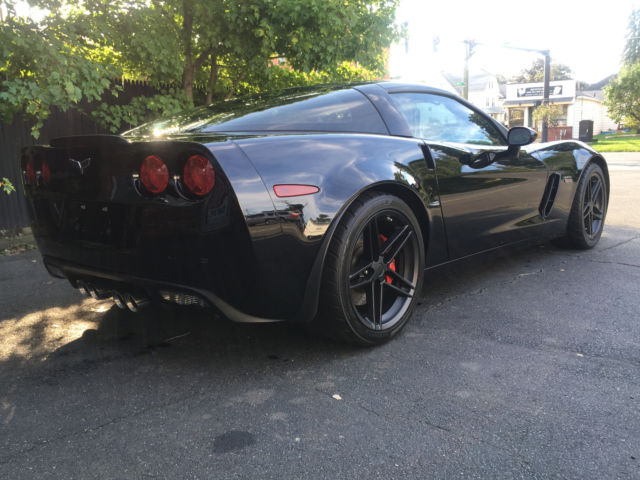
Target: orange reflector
(294, 190)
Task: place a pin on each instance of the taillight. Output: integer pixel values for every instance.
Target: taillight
(294, 190)
(199, 176)
(31, 173)
(154, 174)
(46, 172)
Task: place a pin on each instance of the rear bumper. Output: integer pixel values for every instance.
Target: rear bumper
(154, 289)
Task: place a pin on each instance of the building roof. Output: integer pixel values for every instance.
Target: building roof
(596, 94)
(477, 81)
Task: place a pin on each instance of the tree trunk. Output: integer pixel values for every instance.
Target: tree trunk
(189, 71)
(188, 76)
(213, 77)
(236, 82)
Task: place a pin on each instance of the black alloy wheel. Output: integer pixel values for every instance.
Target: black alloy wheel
(593, 205)
(589, 209)
(374, 270)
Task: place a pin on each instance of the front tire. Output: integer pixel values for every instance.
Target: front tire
(589, 209)
(373, 272)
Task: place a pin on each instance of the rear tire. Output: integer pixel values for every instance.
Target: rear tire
(373, 272)
(589, 209)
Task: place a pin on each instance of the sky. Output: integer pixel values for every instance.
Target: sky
(586, 35)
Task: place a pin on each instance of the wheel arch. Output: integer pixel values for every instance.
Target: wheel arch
(309, 307)
(601, 162)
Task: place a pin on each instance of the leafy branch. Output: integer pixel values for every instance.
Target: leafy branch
(7, 186)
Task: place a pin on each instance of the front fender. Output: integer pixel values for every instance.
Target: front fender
(568, 159)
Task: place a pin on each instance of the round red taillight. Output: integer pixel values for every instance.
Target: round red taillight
(46, 172)
(31, 173)
(154, 174)
(199, 176)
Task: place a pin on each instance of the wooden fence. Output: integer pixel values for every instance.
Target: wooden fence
(17, 135)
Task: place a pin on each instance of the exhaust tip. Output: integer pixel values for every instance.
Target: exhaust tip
(82, 287)
(119, 301)
(134, 303)
(97, 293)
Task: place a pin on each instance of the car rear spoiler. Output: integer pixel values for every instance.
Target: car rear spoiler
(88, 141)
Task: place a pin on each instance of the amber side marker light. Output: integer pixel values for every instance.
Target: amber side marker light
(288, 190)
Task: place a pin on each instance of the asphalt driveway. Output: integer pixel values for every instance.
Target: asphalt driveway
(522, 366)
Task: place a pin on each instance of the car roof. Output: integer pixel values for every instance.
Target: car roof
(398, 87)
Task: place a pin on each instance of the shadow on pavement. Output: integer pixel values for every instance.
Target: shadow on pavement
(91, 332)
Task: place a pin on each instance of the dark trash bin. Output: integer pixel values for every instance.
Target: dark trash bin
(585, 131)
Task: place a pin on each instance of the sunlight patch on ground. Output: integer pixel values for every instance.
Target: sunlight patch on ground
(42, 332)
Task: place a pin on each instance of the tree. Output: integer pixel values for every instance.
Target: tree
(535, 73)
(548, 113)
(631, 52)
(192, 51)
(48, 64)
(200, 42)
(622, 96)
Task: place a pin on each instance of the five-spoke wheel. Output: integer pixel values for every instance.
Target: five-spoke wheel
(374, 270)
(589, 209)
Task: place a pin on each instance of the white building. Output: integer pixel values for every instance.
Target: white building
(522, 98)
(589, 106)
(484, 92)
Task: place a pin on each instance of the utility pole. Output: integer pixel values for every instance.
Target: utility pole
(470, 45)
(545, 92)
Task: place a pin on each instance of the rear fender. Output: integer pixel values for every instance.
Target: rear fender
(343, 167)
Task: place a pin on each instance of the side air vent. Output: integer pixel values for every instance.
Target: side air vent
(549, 197)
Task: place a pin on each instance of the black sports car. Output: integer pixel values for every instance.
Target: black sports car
(323, 204)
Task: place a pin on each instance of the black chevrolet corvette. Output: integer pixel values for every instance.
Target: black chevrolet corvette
(325, 204)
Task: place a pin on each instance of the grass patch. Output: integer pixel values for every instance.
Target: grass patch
(17, 248)
(617, 143)
(16, 241)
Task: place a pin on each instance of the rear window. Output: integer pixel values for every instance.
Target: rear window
(341, 111)
(309, 111)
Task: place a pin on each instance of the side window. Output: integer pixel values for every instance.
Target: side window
(443, 119)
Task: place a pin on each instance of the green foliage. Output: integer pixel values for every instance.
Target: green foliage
(535, 73)
(549, 113)
(622, 96)
(49, 64)
(120, 117)
(631, 52)
(190, 51)
(6, 185)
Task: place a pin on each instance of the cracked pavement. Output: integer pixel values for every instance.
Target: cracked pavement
(525, 365)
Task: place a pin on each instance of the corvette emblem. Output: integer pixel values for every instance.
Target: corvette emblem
(81, 165)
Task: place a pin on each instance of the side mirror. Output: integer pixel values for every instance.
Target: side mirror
(521, 136)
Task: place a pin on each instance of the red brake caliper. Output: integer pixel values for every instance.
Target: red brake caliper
(392, 265)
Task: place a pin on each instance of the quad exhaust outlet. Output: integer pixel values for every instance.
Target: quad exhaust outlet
(123, 300)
